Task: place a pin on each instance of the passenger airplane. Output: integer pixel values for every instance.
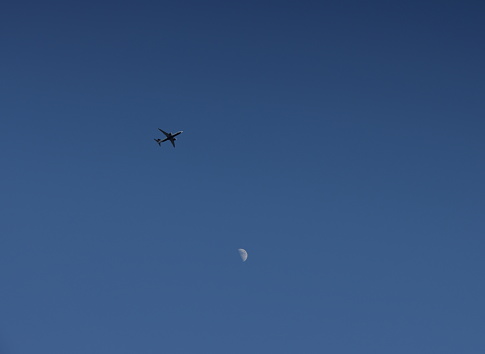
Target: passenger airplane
(169, 136)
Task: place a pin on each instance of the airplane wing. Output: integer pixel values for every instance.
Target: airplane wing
(166, 134)
(173, 142)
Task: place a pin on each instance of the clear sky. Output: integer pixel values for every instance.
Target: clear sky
(341, 143)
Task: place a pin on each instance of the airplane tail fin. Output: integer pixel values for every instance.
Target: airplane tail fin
(158, 141)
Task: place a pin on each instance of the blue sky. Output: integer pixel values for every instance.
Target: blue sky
(340, 143)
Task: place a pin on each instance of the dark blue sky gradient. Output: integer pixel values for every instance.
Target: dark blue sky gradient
(340, 143)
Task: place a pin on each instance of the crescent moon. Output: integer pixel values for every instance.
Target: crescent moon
(243, 254)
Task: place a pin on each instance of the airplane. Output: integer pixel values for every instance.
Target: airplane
(169, 136)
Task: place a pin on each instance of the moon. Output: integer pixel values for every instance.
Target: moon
(243, 254)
